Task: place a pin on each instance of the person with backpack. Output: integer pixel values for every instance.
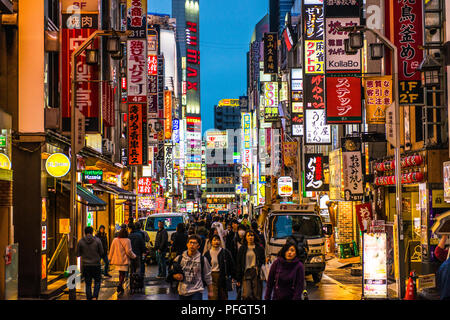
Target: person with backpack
(286, 278)
(250, 259)
(120, 254)
(90, 249)
(179, 240)
(222, 268)
(139, 227)
(193, 272)
(101, 234)
(137, 245)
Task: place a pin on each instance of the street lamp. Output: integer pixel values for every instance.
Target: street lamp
(356, 40)
(429, 69)
(376, 51)
(348, 49)
(73, 158)
(398, 187)
(91, 56)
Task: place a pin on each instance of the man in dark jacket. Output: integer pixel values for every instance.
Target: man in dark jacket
(90, 249)
(139, 227)
(302, 243)
(101, 234)
(230, 240)
(161, 247)
(137, 245)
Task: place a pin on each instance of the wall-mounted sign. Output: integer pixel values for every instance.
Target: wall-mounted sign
(270, 52)
(378, 95)
(446, 178)
(314, 177)
(44, 238)
(92, 176)
(285, 187)
(314, 57)
(314, 22)
(364, 214)
(314, 97)
(64, 226)
(345, 8)
(176, 130)
(137, 134)
(217, 140)
(57, 165)
(343, 100)
(5, 163)
(316, 129)
(167, 114)
(335, 174)
(271, 101)
(145, 185)
(352, 176)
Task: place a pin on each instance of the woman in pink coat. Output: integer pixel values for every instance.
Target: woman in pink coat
(120, 254)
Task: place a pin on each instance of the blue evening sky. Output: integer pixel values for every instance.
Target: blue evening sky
(226, 29)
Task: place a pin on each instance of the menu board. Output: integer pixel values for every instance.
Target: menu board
(375, 266)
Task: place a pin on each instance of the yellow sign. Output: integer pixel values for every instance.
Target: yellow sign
(378, 94)
(5, 163)
(44, 210)
(64, 226)
(43, 266)
(57, 165)
(229, 103)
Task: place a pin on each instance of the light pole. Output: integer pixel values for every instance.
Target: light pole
(398, 181)
(73, 157)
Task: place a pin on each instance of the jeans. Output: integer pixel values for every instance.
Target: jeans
(195, 296)
(161, 258)
(106, 261)
(89, 273)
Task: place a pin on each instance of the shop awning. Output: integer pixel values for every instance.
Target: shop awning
(122, 193)
(100, 188)
(89, 199)
(92, 201)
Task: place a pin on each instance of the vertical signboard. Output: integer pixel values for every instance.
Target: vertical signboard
(76, 26)
(247, 145)
(343, 100)
(271, 101)
(378, 96)
(168, 162)
(335, 174)
(167, 114)
(297, 102)
(314, 177)
(446, 178)
(352, 176)
(136, 122)
(314, 56)
(375, 265)
(406, 25)
(270, 52)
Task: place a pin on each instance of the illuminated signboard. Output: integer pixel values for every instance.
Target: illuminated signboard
(314, 56)
(145, 185)
(92, 176)
(5, 163)
(270, 52)
(314, 177)
(229, 103)
(271, 101)
(217, 140)
(167, 114)
(176, 130)
(247, 145)
(285, 187)
(317, 131)
(57, 165)
(375, 265)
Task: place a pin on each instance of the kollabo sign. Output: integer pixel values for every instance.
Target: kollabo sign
(285, 187)
(57, 165)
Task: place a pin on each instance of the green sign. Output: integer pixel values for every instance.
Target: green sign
(90, 219)
(92, 176)
(2, 141)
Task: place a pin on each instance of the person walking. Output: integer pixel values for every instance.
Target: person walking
(90, 249)
(101, 234)
(258, 233)
(286, 276)
(250, 259)
(120, 254)
(161, 247)
(179, 240)
(230, 239)
(137, 245)
(443, 273)
(140, 227)
(222, 268)
(196, 272)
(302, 243)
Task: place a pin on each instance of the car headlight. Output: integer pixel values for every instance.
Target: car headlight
(316, 259)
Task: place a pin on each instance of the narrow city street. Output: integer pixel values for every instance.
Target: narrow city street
(337, 284)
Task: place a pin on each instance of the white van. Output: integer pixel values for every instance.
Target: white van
(171, 220)
(278, 227)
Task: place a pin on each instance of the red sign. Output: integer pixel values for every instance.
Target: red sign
(160, 204)
(44, 238)
(343, 100)
(407, 27)
(135, 133)
(152, 65)
(364, 214)
(145, 185)
(87, 92)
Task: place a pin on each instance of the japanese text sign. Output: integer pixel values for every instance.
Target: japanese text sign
(314, 22)
(342, 8)
(270, 101)
(314, 94)
(135, 133)
(352, 176)
(314, 177)
(270, 52)
(314, 57)
(378, 96)
(137, 18)
(145, 185)
(137, 70)
(316, 129)
(364, 214)
(343, 100)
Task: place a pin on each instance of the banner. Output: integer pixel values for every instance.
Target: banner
(270, 52)
(314, 177)
(343, 100)
(378, 96)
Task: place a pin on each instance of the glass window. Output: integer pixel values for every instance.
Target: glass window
(310, 225)
(170, 223)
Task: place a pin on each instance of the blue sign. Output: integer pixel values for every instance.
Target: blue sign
(176, 130)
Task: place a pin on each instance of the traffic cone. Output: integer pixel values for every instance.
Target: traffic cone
(411, 287)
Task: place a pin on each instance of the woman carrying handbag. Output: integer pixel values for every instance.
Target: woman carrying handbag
(120, 254)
